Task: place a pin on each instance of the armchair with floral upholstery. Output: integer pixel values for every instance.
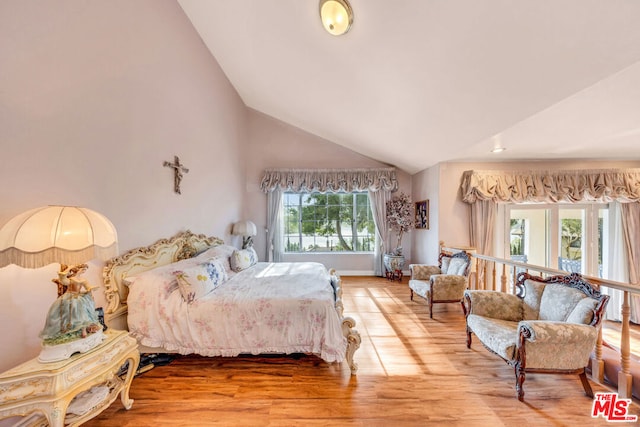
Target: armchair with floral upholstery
(444, 283)
(550, 326)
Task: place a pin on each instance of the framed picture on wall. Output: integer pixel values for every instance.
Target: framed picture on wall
(422, 215)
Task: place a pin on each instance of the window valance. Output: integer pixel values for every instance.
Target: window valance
(330, 180)
(551, 186)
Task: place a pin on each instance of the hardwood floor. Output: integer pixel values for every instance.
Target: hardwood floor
(412, 371)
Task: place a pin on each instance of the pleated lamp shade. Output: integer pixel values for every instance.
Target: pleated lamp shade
(63, 234)
(244, 228)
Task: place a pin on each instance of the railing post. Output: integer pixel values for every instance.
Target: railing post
(624, 375)
(493, 277)
(484, 275)
(597, 363)
(503, 278)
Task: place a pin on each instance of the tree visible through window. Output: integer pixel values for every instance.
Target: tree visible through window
(331, 222)
(517, 236)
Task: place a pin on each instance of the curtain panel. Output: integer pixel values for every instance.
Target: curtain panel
(551, 186)
(275, 244)
(378, 201)
(330, 180)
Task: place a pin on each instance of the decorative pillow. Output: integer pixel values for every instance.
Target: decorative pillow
(444, 268)
(221, 251)
(241, 260)
(457, 266)
(196, 281)
(583, 311)
(533, 291)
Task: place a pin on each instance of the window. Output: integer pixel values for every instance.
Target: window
(329, 222)
(571, 237)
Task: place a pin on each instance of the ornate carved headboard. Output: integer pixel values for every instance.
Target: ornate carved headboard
(165, 251)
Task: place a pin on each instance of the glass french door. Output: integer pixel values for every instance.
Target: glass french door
(569, 237)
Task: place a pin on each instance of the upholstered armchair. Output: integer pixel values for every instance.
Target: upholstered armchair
(550, 326)
(444, 283)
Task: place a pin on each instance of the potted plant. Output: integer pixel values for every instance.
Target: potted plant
(400, 218)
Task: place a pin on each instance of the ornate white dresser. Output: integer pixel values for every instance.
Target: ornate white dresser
(49, 388)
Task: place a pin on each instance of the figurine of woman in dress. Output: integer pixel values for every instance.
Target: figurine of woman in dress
(73, 315)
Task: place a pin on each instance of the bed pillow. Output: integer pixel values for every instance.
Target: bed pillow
(223, 252)
(241, 260)
(198, 280)
(160, 277)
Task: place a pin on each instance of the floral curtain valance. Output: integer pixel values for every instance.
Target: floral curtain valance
(551, 186)
(330, 180)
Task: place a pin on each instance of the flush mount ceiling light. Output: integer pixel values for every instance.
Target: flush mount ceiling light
(498, 150)
(336, 15)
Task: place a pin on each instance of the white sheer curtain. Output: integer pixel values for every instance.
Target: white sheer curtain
(378, 201)
(276, 181)
(275, 246)
(616, 267)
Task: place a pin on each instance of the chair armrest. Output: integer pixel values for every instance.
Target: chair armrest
(423, 271)
(447, 286)
(448, 279)
(556, 332)
(550, 345)
(493, 304)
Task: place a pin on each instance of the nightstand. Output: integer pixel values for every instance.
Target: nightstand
(49, 388)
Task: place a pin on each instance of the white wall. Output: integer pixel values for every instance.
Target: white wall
(95, 96)
(274, 144)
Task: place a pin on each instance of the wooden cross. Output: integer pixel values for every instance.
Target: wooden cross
(177, 170)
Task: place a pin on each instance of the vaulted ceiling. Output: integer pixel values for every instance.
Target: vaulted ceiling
(418, 82)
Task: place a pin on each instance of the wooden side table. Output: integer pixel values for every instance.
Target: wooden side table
(49, 388)
(394, 275)
(393, 265)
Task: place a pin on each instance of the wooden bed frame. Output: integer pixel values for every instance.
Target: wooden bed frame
(186, 245)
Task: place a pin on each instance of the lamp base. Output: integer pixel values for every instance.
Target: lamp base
(56, 353)
(247, 242)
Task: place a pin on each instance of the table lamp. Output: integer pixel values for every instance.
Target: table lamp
(247, 230)
(71, 236)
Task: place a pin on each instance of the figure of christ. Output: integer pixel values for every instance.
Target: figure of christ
(178, 170)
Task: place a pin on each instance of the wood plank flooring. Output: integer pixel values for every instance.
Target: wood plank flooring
(413, 371)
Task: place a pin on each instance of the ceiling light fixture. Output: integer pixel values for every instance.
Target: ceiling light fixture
(498, 150)
(336, 16)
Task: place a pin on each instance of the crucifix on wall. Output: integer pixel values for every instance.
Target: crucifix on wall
(178, 169)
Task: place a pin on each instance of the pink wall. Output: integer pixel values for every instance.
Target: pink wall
(274, 144)
(424, 243)
(95, 96)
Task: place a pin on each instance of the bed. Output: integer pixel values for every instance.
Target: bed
(192, 294)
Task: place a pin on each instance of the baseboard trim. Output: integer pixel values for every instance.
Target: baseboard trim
(364, 273)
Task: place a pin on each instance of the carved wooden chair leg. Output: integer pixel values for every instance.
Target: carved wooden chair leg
(411, 294)
(520, 377)
(468, 338)
(464, 309)
(585, 384)
(430, 307)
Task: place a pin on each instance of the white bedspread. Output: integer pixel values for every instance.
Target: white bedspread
(267, 308)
